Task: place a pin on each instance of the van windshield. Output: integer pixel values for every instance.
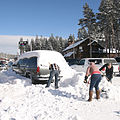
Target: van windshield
(117, 59)
(114, 62)
(82, 62)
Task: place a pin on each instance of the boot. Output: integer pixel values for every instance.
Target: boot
(90, 96)
(97, 94)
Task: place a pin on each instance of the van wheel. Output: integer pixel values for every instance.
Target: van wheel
(114, 74)
(27, 75)
(33, 80)
(24, 74)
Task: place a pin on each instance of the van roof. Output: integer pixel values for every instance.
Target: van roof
(36, 53)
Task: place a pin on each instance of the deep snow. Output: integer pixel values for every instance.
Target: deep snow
(20, 100)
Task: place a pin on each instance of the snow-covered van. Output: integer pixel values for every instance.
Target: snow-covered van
(84, 63)
(35, 64)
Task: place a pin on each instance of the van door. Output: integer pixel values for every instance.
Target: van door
(32, 65)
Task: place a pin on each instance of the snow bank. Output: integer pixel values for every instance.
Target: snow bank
(20, 100)
(109, 90)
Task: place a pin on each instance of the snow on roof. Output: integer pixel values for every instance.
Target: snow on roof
(74, 45)
(92, 42)
(45, 57)
(68, 54)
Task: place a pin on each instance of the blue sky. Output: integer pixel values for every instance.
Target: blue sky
(39, 17)
(42, 17)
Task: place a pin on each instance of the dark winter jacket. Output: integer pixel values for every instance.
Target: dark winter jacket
(108, 71)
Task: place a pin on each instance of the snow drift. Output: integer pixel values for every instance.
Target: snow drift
(20, 100)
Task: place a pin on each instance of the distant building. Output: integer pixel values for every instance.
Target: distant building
(81, 49)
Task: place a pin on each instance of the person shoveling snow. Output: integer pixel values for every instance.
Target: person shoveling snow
(95, 80)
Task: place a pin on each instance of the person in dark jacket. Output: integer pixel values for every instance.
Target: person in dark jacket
(54, 71)
(108, 70)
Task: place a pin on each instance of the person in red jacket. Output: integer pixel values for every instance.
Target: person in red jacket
(95, 80)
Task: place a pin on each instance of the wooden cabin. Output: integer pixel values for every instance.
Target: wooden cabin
(81, 49)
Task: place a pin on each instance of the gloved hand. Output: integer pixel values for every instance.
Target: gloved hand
(85, 80)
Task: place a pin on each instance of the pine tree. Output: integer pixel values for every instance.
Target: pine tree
(62, 44)
(52, 40)
(44, 43)
(108, 20)
(82, 33)
(37, 43)
(48, 45)
(51, 43)
(89, 20)
(71, 39)
(32, 45)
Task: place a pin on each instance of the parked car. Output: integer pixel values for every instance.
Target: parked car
(35, 64)
(9, 65)
(118, 60)
(2, 66)
(72, 61)
(84, 63)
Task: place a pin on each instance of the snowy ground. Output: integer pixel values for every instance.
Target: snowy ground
(20, 100)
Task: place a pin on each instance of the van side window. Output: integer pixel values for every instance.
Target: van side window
(20, 62)
(82, 62)
(110, 61)
(32, 62)
(25, 61)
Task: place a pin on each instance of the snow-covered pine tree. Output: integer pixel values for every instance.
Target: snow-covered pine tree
(37, 43)
(62, 44)
(71, 39)
(52, 40)
(43, 44)
(108, 18)
(48, 45)
(82, 33)
(32, 45)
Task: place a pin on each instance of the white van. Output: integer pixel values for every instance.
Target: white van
(35, 64)
(84, 63)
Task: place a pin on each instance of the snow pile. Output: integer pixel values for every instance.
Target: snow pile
(10, 77)
(20, 100)
(109, 90)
